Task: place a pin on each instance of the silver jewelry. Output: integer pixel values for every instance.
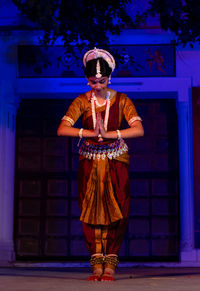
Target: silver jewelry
(80, 136)
(98, 151)
(99, 53)
(80, 133)
(98, 74)
(118, 134)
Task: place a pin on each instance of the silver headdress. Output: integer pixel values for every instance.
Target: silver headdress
(99, 53)
(98, 74)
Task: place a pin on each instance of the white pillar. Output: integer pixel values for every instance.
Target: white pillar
(7, 169)
(188, 253)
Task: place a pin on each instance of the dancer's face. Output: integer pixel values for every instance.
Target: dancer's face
(98, 85)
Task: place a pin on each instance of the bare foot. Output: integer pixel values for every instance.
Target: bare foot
(107, 277)
(94, 277)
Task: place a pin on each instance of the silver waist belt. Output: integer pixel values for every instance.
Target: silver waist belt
(99, 151)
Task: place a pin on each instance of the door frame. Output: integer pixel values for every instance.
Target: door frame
(182, 91)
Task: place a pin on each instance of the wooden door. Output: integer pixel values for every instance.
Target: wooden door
(154, 225)
(47, 222)
(196, 148)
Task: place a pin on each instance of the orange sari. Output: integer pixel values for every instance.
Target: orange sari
(103, 185)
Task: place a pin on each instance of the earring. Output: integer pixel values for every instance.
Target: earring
(88, 84)
(109, 82)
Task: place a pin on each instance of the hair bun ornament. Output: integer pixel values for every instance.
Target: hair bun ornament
(99, 53)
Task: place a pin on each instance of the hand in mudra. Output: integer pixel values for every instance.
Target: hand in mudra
(101, 125)
(97, 129)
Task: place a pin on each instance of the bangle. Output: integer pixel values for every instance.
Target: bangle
(80, 136)
(118, 134)
(80, 133)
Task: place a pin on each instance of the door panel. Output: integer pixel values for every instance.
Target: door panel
(47, 222)
(196, 143)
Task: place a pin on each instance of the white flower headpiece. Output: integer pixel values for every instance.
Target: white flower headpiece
(99, 53)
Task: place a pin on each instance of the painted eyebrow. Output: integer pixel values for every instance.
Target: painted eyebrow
(103, 80)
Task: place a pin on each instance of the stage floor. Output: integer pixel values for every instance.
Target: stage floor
(75, 279)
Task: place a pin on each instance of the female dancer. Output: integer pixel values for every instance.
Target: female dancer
(103, 180)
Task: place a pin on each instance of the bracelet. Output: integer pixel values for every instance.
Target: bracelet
(118, 134)
(80, 133)
(80, 136)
